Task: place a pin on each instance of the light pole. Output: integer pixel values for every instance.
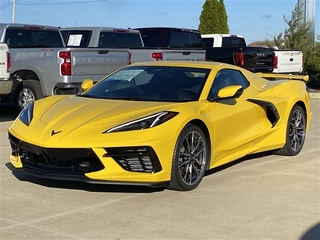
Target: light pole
(13, 10)
(308, 8)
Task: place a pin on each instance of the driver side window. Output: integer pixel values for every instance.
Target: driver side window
(227, 77)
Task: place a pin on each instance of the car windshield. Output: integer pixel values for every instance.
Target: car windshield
(151, 83)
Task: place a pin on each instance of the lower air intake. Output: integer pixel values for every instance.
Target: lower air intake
(135, 159)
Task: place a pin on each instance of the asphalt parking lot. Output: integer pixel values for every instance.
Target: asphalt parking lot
(259, 197)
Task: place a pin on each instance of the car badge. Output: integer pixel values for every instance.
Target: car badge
(54, 133)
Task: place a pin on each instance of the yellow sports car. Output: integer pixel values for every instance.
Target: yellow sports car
(161, 123)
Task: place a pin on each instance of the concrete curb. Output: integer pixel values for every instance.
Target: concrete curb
(315, 94)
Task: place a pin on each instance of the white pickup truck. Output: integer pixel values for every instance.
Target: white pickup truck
(41, 65)
(105, 37)
(5, 65)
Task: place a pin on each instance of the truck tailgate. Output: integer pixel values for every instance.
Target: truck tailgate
(95, 62)
(5, 82)
(4, 73)
(288, 61)
(146, 54)
(184, 55)
(259, 59)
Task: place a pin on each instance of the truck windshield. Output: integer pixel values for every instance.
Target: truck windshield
(152, 83)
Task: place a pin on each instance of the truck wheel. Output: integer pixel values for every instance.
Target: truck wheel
(29, 91)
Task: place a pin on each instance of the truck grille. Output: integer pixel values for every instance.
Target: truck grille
(135, 159)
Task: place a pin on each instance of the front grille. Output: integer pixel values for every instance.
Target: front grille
(135, 159)
(59, 160)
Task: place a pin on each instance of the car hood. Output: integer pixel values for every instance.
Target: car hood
(77, 121)
(79, 111)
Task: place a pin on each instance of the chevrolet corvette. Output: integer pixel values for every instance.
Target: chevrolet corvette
(161, 124)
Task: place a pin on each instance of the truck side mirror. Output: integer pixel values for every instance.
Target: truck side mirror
(86, 84)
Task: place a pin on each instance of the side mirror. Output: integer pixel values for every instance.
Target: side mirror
(230, 92)
(86, 84)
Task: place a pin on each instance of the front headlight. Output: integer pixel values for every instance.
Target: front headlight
(143, 123)
(26, 114)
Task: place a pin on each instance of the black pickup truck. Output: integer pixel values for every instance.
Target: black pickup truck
(255, 59)
(233, 49)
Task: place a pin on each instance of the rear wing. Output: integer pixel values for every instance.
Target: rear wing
(284, 76)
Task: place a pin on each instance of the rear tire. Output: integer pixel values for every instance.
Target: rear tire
(190, 159)
(27, 92)
(296, 132)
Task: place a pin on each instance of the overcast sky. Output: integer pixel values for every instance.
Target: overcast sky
(254, 19)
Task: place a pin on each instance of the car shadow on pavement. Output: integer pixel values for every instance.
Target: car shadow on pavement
(7, 112)
(90, 187)
(112, 187)
(240, 160)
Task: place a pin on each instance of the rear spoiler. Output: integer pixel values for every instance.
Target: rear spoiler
(284, 76)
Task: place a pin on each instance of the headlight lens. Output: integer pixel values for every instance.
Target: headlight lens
(26, 114)
(143, 123)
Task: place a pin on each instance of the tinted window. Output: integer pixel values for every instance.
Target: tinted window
(76, 38)
(196, 40)
(227, 77)
(31, 38)
(119, 40)
(64, 35)
(151, 38)
(207, 42)
(185, 39)
(152, 84)
(233, 42)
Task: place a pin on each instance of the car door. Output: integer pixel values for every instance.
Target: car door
(236, 124)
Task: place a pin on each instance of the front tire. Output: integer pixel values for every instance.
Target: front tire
(296, 132)
(190, 159)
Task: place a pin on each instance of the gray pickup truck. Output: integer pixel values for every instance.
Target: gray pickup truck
(41, 64)
(5, 67)
(105, 37)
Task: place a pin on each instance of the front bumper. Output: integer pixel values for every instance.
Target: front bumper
(109, 165)
(66, 177)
